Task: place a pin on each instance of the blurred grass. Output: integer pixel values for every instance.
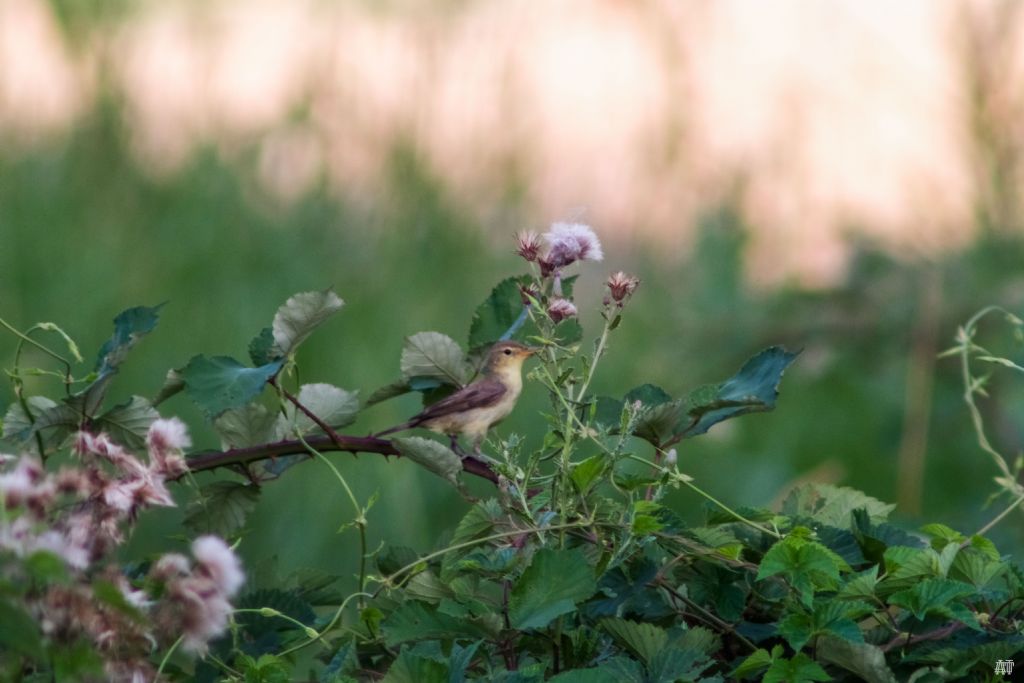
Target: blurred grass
(86, 233)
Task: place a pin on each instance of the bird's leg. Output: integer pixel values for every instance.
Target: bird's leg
(454, 439)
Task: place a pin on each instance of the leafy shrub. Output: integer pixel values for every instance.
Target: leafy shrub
(574, 569)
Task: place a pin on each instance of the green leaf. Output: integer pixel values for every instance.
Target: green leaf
(221, 508)
(642, 639)
(596, 675)
(753, 389)
(221, 383)
(645, 520)
(342, 662)
(659, 413)
(860, 586)
(300, 315)
(173, 384)
(833, 505)
(128, 423)
(435, 356)
(831, 617)
(905, 567)
(753, 664)
(436, 457)
(805, 564)
(976, 568)
(19, 431)
(19, 632)
(250, 425)
(396, 388)
(863, 659)
(936, 596)
(480, 519)
(584, 474)
(46, 567)
(427, 587)
(415, 620)
(77, 661)
(335, 407)
(500, 316)
(552, 585)
(409, 668)
(263, 349)
(267, 669)
(109, 594)
(129, 327)
(799, 669)
(648, 394)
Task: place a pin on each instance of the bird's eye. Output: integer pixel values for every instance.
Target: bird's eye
(508, 352)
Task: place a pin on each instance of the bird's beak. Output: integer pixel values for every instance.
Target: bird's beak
(531, 350)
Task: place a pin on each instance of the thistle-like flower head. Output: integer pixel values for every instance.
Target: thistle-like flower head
(622, 285)
(567, 243)
(560, 309)
(528, 245)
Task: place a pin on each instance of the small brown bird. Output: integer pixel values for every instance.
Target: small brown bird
(473, 409)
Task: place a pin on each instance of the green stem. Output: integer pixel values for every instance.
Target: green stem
(270, 613)
(752, 524)
(998, 518)
(167, 657)
(969, 389)
(330, 625)
(28, 340)
(598, 352)
(360, 520)
(388, 581)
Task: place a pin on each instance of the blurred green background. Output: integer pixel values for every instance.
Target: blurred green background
(86, 230)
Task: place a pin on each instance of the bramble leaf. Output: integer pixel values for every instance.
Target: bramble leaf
(805, 564)
(410, 668)
(129, 327)
(832, 505)
(799, 669)
(863, 659)
(296, 319)
(221, 508)
(263, 349)
(501, 315)
(554, 583)
(249, 425)
(221, 383)
(753, 389)
(643, 639)
(436, 457)
(937, 596)
(436, 356)
(335, 407)
(415, 620)
(128, 423)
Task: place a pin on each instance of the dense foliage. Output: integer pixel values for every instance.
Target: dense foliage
(574, 569)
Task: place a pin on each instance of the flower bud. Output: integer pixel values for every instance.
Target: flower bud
(560, 309)
(622, 285)
(528, 245)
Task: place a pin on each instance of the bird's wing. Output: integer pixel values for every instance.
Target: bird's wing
(480, 394)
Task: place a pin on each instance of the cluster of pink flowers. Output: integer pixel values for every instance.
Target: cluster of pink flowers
(562, 245)
(81, 514)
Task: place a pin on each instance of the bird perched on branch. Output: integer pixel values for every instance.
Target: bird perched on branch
(474, 408)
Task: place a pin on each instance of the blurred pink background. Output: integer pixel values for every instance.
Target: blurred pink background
(833, 117)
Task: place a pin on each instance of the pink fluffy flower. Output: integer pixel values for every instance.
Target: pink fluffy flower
(569, 242)
(218, 561)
